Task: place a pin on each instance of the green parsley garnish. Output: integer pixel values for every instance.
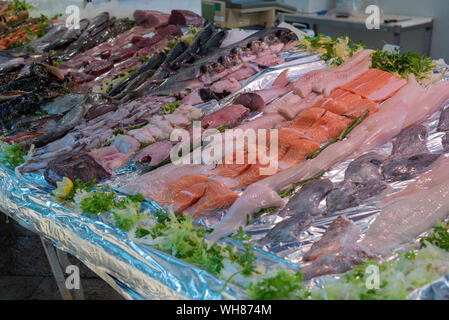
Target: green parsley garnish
(117, 132)
(283, 286)
(438, 236)
(403, 64)
(13, 155)
(170, 108)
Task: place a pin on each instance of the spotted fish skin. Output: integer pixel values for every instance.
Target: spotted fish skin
(363, 180)
(365, 168)
(288, 230)
(349, 194)
(411, 141)
(400, 169)
(307, 200)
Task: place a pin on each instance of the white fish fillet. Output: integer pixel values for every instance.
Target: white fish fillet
(411, 214)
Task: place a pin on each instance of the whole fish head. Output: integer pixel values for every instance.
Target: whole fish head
(286, 36)
(258, 46)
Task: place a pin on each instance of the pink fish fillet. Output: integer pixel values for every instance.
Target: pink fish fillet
(411, 105)
(155, 153)
(411, 214)
(192, 98)
(243, 73)
(152, 182)
(337, 79)
(293, 109)
(229, 85)
(291, 99)
(268, 60)
(304, 85)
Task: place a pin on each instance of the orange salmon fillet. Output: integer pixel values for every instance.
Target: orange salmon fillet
(217, 196)
(299, 150)
(329, 126)
(348, 104)
(375, 84)
(181, 193)
(233, 169)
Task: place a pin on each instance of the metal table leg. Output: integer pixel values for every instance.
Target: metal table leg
(59, 262)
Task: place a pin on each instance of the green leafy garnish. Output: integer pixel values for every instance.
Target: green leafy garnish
(20, 6)
(403, 64)
(336, 50)
(172, 43)
(78, 185)
(137, 127)
(170, 108)
(245, 259)
(141, 232)
(117, 132)
(99, 201)
(283, 286)
(13, 155)
(184, 241)
(222, 128)
(262, 211)
(41, 113)
(438, 236)
(144, 59)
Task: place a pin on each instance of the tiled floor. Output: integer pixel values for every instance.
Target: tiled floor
(25, 273)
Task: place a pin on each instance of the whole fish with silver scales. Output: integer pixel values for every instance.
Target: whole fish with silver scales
(217, 64)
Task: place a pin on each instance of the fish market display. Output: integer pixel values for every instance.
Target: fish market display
(145, 124)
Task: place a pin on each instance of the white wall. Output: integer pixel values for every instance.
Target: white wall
(438, 9)
(117, 8)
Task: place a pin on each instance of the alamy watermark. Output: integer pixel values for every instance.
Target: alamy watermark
(73, 281)
(373, 19)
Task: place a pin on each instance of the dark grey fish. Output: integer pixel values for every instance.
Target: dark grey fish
(96, 24)
(411, 141)
(74, 165)
(27, 103)
(193, 72)
(136, 89)
(194, 48)
(443, 125)
(63, 104)
(288, 230)
(400, 169)
(307, 200)
(365, 168)
(34, 123)
(213, 43)
(349, 194)
(69, 36)
(70, 119)
(153, 63)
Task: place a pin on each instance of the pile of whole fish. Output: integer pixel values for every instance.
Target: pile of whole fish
(141, 122)
(157, 76)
